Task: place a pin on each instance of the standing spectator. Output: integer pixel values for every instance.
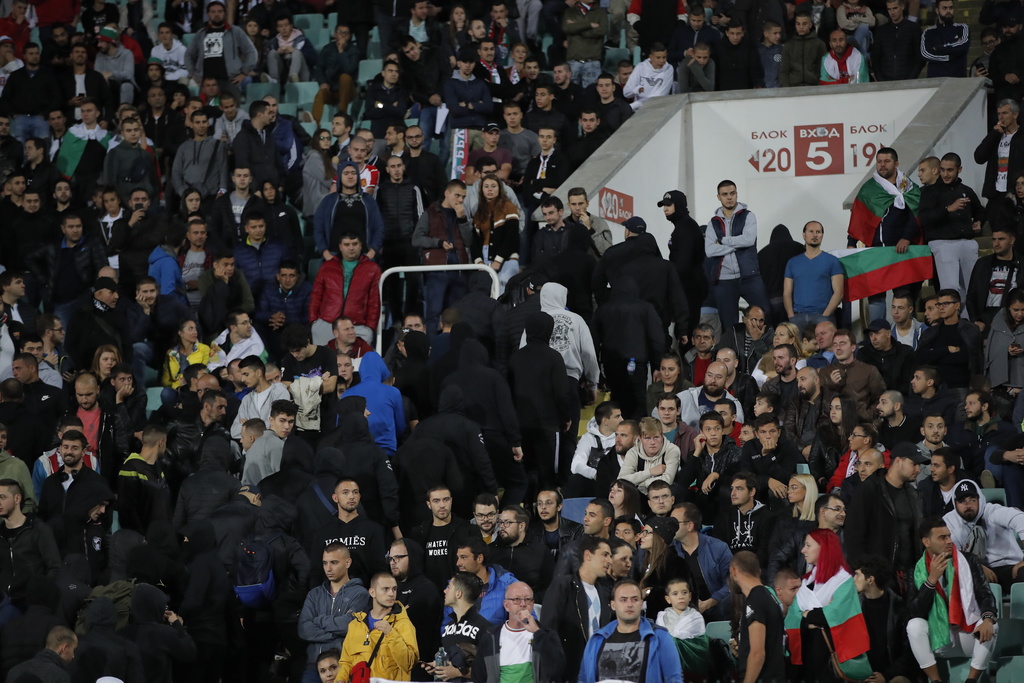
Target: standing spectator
(30, 94)
(952, 345)
(387, 100)
(254, 146)
(731, 246)
(843, 63)
(350, 210)
(802, 54)
(395, 658)
(944, 46)
(31, 549)
(951, 217)
(201, 162)
(143, 496)
(630, 646)
(810, 277)
(761, 635)
(770, 52)
(993, 277)
(585, 27)
(737, 64)
(444, 234)
(896, 48)
(1002, 152)
(222, 51)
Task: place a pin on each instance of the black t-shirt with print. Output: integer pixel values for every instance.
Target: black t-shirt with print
(623, 657)
(762, 607)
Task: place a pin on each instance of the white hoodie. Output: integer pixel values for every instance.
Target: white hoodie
(173, 59)
(571, 336)
(991, 536)
(592, 439)
(646, 82)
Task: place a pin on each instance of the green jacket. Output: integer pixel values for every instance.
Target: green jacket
(801, 60)
(13, 468)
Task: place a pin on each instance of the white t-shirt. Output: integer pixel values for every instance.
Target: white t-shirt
(594, 611)
(516, 654)
(1003, 161)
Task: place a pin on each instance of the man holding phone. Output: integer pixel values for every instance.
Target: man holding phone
(951, 217)
(940, 600)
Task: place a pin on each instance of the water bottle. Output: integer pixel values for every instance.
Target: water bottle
(440, 660)
(631, 366)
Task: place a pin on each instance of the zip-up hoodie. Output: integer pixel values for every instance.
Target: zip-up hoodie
(387, 416)
(163, 266)
(591, 440)
(571, 336)
(663, 663)
(470, 91)
(992, 535)
(646, 82)
(324, 619)
(323, 219)
(636, 464)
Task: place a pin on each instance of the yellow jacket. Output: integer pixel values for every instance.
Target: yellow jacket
(396, 656)
(171, 376)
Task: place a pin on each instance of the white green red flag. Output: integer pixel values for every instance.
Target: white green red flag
(873, 270)
(875, 198)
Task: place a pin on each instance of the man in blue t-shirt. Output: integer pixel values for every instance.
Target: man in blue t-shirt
(813, 285)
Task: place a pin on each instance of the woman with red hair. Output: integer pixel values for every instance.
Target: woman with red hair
(825, 617)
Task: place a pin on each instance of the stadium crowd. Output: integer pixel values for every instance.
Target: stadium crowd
(613, 472)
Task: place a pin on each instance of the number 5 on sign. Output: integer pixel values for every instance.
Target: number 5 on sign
(818, 150)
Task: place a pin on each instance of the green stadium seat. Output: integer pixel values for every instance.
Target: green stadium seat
(613, 56)
(719, 630)
(995, 495)
(368, 68)
(997, 593)
(374, 51)
(313, 268)
(1017, 601)
(153, 399)
(803, 468)
(301, 92)
(257, 91)
(186, 39)
(374, 35)
(288, 108)
(304, 21)
(318, 35)
(1010, 642)
(308, 127)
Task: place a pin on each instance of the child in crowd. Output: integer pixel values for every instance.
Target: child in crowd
(770, 51)
(686, 625)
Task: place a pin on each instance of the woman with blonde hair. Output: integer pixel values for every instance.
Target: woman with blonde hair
(103, 362)
(802, 494)
(785, 333)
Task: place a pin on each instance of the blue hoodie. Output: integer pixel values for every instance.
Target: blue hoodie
(323, 219)
(387, 417)
(164, 268)
(663, 663)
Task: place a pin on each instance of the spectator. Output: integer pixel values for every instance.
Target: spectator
(992, 279)
(944, 46)
(222, 51)
(1002, 158)
(896, 45)
(585, 33)
(651, 78)
(537, 652)
(387, 100)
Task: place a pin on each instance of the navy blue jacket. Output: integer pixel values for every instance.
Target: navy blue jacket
(475, 92)
(260, 265)
(294, 304)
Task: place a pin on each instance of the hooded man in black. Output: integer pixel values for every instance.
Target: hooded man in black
(20, 638)
(658, 283)
(84, 527)
(162, 639)
(478, 310)
(295, 474)
(371, 469)
(686, 251)
(489, 404)
(205, 601)
(101, 651)
(536, 375)
(423, 463)
(419, 595)
(158, 562)
(210, 487)
(627, 328)
(772, 260)
(412, 377)
(573, 268)
(451, 427)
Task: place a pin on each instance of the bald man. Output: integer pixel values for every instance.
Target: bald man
(800, 417)
(699, 400)
(752, 338)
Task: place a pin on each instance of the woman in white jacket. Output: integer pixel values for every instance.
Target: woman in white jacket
(653, 457)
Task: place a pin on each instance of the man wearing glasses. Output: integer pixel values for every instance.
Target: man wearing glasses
(417, 592)
(520, 552)
(830, 513)
(519, 647)
(485, 516)
(952, 345)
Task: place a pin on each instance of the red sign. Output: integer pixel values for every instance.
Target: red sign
(615, 206)
(818, 149)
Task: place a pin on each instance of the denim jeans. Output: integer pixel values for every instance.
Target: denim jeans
(427, 117)
(802, 320)
(441, 290)
(584, 74)
(728, 293)
(24, 127)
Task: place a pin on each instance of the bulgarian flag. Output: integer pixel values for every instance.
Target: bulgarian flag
(874, 200)
(837, 598)
(72, 147)
(873, 270)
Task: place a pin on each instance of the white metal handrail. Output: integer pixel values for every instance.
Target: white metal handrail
(495, 286)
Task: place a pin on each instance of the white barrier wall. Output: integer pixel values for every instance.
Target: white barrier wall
(796, 155)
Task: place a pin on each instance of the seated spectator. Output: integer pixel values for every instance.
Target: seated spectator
(290, 55)
(258, 257)
(747, 524)
(237, 341)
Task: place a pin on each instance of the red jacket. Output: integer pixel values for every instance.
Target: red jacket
(50, 12)
(328, 301)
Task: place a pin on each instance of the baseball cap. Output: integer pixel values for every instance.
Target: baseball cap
(492, 128)
(536, 281)
(911, 452)
(879, 325)
(966, 489)
(104, 283)
(635, 224)
(6, 39)
(667, 199)
(215, 2)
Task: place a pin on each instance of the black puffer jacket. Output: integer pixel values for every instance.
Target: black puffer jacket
(208, 590)
(657, 281)
(210, 487)
(160, 644)
(101, 651)
(25, 552)
(530, 561)
(400, 206)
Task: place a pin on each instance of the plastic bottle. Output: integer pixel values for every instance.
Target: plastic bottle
(440, 660)
(631, 366)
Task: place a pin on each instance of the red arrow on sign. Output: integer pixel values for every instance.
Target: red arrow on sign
(755, 162)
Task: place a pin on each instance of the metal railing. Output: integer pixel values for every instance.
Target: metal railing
(495, 286)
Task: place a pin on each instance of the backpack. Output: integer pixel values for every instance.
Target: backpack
(255, 584)
(118, 592)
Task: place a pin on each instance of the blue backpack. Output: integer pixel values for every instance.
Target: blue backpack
(254, 573)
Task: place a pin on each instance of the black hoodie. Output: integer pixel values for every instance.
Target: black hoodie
(73, 530)
(686, 251)
(207, 593)
(626, 326)
(657, 281)
(536, 376)
(295, 474)
(210, 487)
(451, 427)
(773, 258)
(101, 651)
(485, 392)
(157, 562)
(159, 643)
(371, 469)
(573, 268)
(315, 506)
(423, 463)
(291, 563)
(412, 377)
(477, 309)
